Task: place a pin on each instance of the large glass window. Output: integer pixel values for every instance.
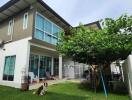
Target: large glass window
(39, 22)
(39, 35)
(46, 30)
(56, 66)
(48, 38)
(56, 30)
(54, 40)
(48, 64)
(9, 68)
(42, 67)
(39, 65)
(34, 63)
(47, 26)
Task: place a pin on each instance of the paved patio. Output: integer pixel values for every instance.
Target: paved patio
(53, 82)
(50, 82)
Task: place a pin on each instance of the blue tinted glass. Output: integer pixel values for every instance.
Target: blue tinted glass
(46, 29)
(48, 38)
(39, 22)
(39, 35)
(9, 65)
(12, 65)
(56, 30)
(54, 40)
(48, 26)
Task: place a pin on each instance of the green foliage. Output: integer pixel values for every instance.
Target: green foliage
(99, 46)
(123, 23)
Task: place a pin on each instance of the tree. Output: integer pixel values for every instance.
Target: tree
(99, 47)
(89, 46)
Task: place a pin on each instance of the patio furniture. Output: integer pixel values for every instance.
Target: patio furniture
(49, 77)
(32, 77)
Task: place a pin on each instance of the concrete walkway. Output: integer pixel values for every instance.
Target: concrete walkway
(50, 82)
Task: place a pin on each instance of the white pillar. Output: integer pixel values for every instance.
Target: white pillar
(60, 66)
(27, 55)
(52, 66)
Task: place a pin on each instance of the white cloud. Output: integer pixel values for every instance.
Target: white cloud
(86, 11)
(2, 2)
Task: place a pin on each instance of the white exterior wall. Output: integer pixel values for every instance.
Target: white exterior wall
(21, 49)
(68, 70)
(72, 70)
(127, 67)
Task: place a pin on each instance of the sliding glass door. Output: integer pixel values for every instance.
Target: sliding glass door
(56, 66)
(34, 64)
(42, 67)
(48, 64)
(39, 65)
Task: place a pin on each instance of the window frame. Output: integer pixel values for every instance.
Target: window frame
(7, 76)
(10, 27)
(25, 21)
(44, 32)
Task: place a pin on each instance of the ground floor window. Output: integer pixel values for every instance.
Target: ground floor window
(9, 67)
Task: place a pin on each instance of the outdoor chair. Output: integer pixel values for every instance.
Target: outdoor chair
(49, 77)
(32, 77)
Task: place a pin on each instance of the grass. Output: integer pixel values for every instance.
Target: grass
(65, 91)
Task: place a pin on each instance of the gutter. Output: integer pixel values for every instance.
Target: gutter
(53, 12)
(8, 4)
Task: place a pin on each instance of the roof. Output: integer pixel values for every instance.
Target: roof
(15, 6)
(94, 23)
(52, 11)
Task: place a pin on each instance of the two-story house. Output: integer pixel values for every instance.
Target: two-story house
(29, 31)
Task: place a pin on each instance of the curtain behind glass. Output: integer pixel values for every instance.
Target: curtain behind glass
(7, 65)
(12, 65)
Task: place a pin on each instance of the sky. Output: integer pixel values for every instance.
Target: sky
(87, 11)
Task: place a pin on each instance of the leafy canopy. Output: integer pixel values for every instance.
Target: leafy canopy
(85, 45)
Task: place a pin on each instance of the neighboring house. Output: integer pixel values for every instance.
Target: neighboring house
(73, 69)
(127, 69)
(29, 31)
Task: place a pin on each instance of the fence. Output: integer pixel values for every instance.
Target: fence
(127, 68)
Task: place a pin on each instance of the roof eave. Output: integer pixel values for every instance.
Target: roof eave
(8, 4)
(52, 11)
(12, 2)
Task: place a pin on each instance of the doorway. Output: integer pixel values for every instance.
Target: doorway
(39, 65)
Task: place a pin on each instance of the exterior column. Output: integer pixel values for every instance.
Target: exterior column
(60, 66)
(52, 66)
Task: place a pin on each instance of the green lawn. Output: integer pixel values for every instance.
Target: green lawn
(65, 91)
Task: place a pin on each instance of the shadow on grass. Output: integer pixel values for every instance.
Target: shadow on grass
(61, 96)
(85, 86)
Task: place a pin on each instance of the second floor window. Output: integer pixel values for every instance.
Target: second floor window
(10, 27)
(25, 21)
(46, 30)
